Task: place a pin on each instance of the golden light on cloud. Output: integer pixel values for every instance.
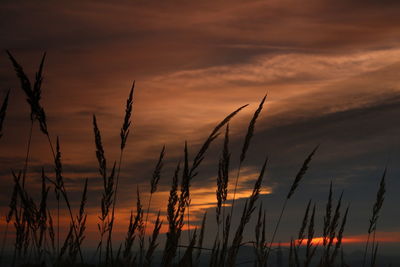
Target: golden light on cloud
(381, 237)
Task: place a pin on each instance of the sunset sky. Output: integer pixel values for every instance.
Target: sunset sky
(330, 69)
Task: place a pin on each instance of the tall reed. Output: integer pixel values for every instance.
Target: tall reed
(192, 172)
(332, 229)
(374, 255)
(260, 230)
(310, 248)
(184, 198)
(124, 133)
(18, 224)
(223, 180)
(175, 213)
(133, 227)
(200, 241)
(81, 223)
(153, 241)
(60, 188)
(42, 217)
(247, 212)
(140, 229)
(380, 197)
(327, 217)
(339, 238)
(58, 185)
(292, 190)
(304, 223)
(154, 182)
(246, 144)
(28, 228)
(12, 211)
(3, 110)
(51, 235)
(33, 94)
(107, 196)
(291, 262)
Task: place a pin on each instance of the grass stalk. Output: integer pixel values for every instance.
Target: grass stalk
(380, 196)
(192, 172)
(246, 144)
(246, 215)
(292, 190)
(153, 242)
(124, 133)
(154, 182)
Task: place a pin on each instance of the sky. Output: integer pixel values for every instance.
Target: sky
(329, 69)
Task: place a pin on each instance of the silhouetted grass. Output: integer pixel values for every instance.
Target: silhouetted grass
(36, 243)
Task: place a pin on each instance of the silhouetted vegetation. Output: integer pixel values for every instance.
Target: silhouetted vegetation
(37, 237)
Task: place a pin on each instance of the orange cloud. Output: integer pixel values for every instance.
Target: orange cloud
(381, 237)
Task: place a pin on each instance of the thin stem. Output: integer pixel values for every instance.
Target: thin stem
(51, 146)
(276, 229)
(109, 240)
(27, 155)
(23, 180)
(234, 195)
(73, 223)
(366, 249)
(101, 246)
(233, 204)
(223, 221)
(234, 190)
(58, 228)
(373, 247)
(188, 223)
(147, 213)
(64, 193)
